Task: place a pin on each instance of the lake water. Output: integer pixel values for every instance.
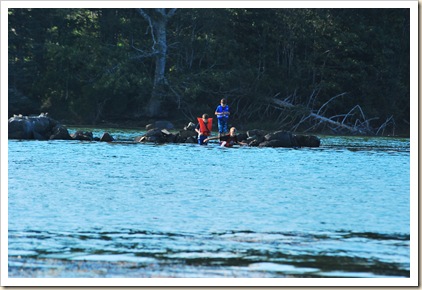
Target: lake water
(183, 210)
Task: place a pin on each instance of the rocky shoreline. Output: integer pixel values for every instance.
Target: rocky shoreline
(43, 127)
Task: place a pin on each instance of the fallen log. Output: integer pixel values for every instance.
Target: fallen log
(320, 118)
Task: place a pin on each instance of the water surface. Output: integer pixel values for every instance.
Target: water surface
(340, 210)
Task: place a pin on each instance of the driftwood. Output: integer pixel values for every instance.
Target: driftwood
(339, 122)
(314, 116)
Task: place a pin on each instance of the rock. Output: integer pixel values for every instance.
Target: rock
(282, 139)
(255, 133)
(242, 137)
(255, 140)
(153, 135)
(41, 126)
(278, 135)
(106, 137)
(140, 139)
(59, 132)
(184, 134)
(33, 127)
(149, 127)
(285, 139)
(169, 137)
(20, 128)
(314, 141)
(307, 140)
(153, 132)
(274, 143)
(160, 125)
(254, 143)
(82, 136)
(255, 137)
(190, 127)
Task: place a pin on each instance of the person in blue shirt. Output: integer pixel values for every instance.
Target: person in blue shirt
(222, 113)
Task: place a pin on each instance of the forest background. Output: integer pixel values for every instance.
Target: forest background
(340, 70)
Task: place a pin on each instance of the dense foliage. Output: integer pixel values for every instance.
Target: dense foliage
(89, 65)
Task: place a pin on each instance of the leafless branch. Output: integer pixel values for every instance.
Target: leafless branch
(148, 18)
(326, 103)
(385, 124)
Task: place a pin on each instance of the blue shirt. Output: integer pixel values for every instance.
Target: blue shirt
(221, 109)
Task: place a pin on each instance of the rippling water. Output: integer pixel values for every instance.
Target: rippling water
(341, 210)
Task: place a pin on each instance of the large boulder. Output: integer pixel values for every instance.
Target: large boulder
(156, 136)
(285, 139)
(33, 127)
(242, 137)
(274, 143)
(281, 139)
(184, 134)
(256, 133)
(20, 128)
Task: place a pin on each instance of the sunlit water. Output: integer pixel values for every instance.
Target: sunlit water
(340, 210)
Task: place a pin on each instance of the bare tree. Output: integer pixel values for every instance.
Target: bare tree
(157, 19)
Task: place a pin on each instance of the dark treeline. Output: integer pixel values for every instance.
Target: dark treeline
(320, 70)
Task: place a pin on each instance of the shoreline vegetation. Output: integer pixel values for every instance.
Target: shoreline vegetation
(312, 71)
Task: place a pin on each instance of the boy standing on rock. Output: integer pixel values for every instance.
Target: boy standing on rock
(222, 113)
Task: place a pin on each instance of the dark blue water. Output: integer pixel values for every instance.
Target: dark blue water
(341, 210)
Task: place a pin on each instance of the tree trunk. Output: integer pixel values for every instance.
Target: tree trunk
(154, 105)
(158, 24)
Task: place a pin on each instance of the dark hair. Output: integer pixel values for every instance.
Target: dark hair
(205, 116)
(224, 101)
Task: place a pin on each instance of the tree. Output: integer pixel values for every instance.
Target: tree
(78, 64)
(157, 19)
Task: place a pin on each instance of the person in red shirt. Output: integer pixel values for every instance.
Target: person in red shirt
(203, 129)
